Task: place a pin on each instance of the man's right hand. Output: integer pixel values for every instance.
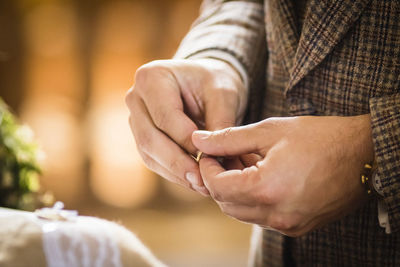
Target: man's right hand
(170, 100)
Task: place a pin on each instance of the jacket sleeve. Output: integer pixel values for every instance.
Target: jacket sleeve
(385, 118)
(234, 32)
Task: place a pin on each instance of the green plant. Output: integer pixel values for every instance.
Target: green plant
(19, 168)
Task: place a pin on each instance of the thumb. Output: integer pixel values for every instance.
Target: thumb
(230, 141)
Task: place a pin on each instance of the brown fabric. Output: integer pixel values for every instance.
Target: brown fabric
(344, 61)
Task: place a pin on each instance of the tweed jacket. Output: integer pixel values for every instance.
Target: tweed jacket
(343, 60)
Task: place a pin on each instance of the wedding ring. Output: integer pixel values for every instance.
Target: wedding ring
(198, 156)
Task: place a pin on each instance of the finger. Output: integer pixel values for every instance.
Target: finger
(163, 100)
(250, 159)
(157, 168)
(231, 141)
(234, 186)
(220, 109)
(160, 148)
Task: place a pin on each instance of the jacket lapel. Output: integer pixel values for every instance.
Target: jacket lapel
(281, 20)
(326, 22)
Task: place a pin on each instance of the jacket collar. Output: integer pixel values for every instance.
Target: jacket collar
(325, 24)
(282, 23)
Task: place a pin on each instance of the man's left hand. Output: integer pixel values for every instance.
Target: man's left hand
(305, 170)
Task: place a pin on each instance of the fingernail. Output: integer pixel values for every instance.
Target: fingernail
(202, 134)
(192, 178)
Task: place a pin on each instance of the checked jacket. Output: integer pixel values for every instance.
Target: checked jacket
(343, 59)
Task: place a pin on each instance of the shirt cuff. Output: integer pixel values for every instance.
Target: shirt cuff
(383, 215)
(224, 56)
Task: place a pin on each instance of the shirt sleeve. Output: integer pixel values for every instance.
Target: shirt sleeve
(234, 32)
(385, 119)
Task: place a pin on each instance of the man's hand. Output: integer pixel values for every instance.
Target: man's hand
(172, 98)
(308, 172)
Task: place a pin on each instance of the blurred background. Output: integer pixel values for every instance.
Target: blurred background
(65, 67)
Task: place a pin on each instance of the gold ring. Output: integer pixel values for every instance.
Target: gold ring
(198, 156)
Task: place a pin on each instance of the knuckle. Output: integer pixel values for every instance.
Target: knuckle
(223, 207)
(187, 143)
(148, 162)
(277, 223)
(143, 142)
(217, 196)
(161, 119)
(146, 72)
(227, 131)
(131, 123)
(272, 192)
(228, 210)
(174, 167)
(251, 173)
(254, 185)
(268, 194)
(132, 97)
(129, 97)
(143, 72)
(282, 223)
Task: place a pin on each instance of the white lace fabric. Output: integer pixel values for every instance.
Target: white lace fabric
(84, 242)
(69, 240)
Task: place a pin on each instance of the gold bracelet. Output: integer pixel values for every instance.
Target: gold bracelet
(367, 179)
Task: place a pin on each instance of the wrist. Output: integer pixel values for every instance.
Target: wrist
(365, 145)
(369, 152)
(365, 149)
(221, 74)
(222, 67)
